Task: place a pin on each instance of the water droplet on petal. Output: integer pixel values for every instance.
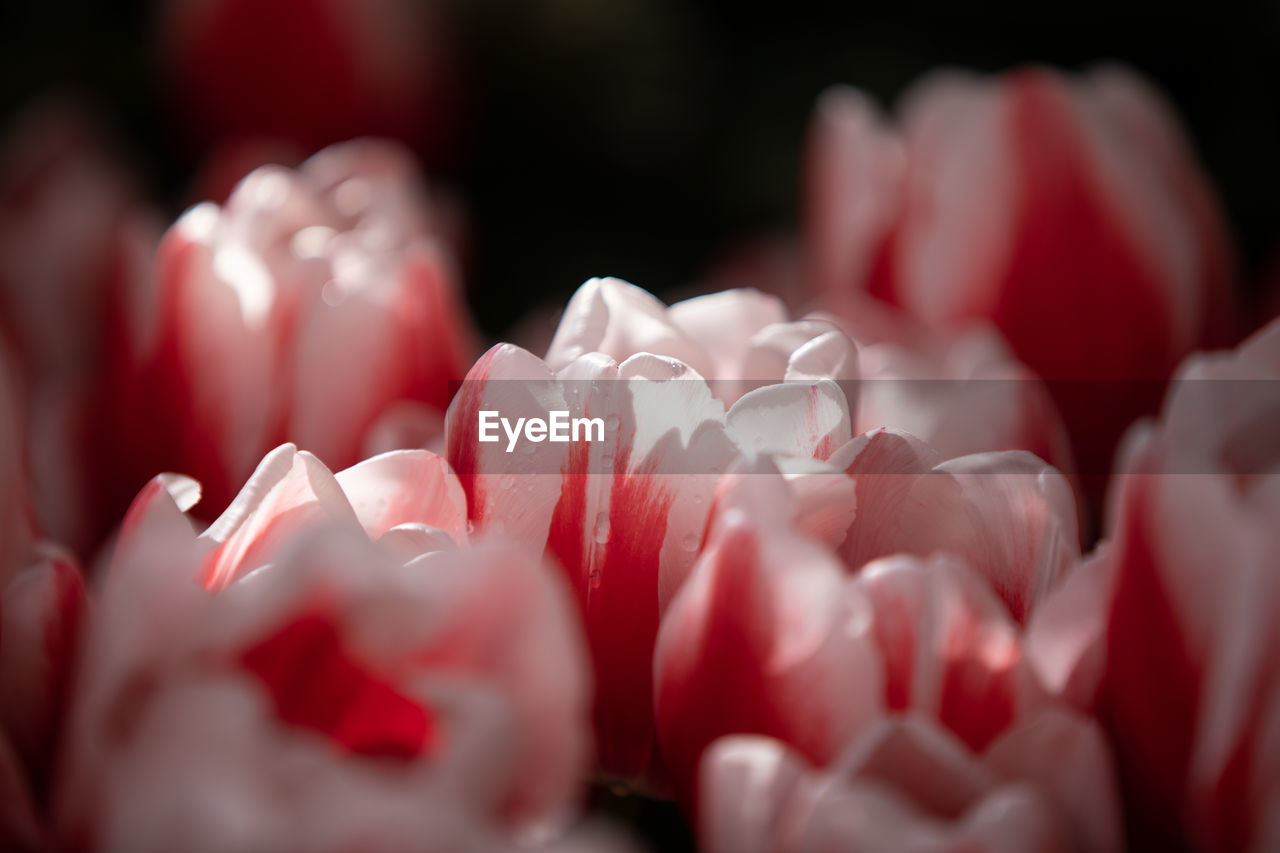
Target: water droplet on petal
(691, 541)
(506, 481)
(602, 528)
(594, 578)
(611, 422)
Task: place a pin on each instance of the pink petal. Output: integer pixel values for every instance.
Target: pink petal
(1008, 515)
(808, 420)
(289, 490)
(723, 324)
(927, 763)
(1065, 639)
(1069, 760)
(949, 647)
(747, 786)
(854, 173)
(610, 316)
(504, 490)
(406, 487)
(495, 590)
(747, 647)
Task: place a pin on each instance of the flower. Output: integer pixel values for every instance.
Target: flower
(1190, 692)
(42, 607)
(625, 517)
(1009, 515)
(811, 638)
(76, 242)
(737, 339)
(799, 708)
(333, 662)
(236, 348)
(1046, 784)
(1066, 210)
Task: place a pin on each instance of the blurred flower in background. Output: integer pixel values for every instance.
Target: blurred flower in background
(317, 304)
(1066, 210)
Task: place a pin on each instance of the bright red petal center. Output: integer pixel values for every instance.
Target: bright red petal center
(316, 684)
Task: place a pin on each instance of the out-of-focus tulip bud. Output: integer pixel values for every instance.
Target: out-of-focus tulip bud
(331, 689)
(68, 211)
(42, 608)
(1066, 210)
(75, 247)
(311, 72)
(908, 785)
(312, 304)
(1191, 689)
(42, 603)
(625, 516)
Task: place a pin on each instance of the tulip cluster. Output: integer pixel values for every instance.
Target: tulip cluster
(836, 571)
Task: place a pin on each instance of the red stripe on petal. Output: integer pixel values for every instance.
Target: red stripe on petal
(315, 683)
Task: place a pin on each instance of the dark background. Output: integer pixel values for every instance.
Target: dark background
(640, 138)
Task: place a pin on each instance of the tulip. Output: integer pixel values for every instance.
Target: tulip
(331, 663)
(42, 604)
(783, 629)
(625, 517)
(75, 248)
(1191, 692)
(71, 237)
(907, 785)
(237, 348)
(42, 609)
(1066, 210)
(1010, 516)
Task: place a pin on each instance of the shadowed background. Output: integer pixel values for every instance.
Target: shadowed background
(640, 138)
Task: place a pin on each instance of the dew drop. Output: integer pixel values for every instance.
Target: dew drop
(602, 528)
(611, 422)
(506, 481)
(691, 542)
(594, 578)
